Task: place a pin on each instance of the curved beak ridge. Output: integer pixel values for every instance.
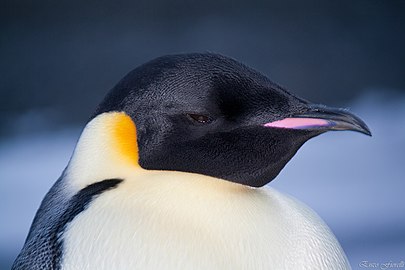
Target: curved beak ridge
(322, 118)
(336, 119)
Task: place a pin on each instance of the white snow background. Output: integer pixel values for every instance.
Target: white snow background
(354, 182)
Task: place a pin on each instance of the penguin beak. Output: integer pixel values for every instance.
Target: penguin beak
(322, 118)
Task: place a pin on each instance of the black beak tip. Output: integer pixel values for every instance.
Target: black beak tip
(340, 119)
(358, 124)
(365, 130)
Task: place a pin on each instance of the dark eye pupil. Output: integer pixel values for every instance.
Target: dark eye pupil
(200, 118)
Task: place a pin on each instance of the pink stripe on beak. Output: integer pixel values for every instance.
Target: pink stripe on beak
(299, 123)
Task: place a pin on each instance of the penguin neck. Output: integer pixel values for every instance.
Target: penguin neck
(107, 148)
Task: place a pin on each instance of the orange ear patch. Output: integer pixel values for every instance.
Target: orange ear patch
(124, 137)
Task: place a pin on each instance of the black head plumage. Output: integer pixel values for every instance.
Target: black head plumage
(209, 114)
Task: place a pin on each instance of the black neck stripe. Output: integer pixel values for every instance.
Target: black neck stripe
(78, 204)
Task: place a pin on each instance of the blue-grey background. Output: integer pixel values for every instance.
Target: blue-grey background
(59, 58)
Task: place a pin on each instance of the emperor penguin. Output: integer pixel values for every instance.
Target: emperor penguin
(169, 172)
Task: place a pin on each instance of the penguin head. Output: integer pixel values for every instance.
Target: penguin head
(211, 115)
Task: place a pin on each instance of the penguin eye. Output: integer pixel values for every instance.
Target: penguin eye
(202, 119)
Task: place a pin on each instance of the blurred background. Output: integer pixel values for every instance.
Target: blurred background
(59, 58)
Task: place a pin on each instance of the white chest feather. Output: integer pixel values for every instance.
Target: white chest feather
(170, 220)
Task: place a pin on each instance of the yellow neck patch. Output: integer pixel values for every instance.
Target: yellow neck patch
(107, 148)
(124, 138)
